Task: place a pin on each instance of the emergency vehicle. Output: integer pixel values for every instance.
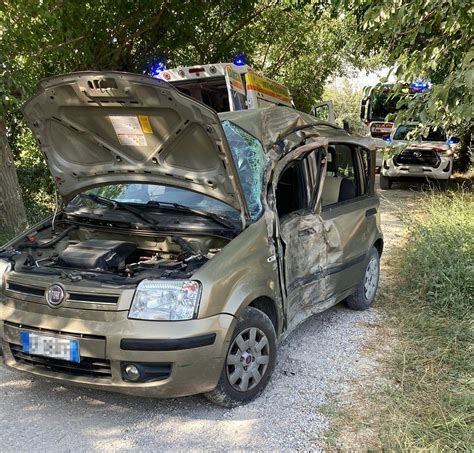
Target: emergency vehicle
(378, 102)
(227, 86)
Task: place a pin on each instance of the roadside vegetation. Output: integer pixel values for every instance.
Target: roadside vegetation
(418, 394)
(431, 406)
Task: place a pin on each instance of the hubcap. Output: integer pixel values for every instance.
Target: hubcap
(247, 360)
(371, 278)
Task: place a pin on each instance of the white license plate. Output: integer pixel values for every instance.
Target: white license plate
(48, 346)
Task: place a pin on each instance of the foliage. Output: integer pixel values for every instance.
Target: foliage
(346, 100)
(427, 40)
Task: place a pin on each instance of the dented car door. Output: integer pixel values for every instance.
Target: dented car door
(301, 237)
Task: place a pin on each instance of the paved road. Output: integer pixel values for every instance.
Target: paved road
(315, 364)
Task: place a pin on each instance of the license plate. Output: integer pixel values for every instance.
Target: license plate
(53, 347)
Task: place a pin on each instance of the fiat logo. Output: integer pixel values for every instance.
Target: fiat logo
(55, 295)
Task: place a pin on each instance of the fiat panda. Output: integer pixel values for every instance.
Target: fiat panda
(188, 243)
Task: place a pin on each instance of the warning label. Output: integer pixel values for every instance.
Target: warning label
(145, 123)
(128, 130)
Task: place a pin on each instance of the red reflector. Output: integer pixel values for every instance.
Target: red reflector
(166, 75)
(194, 70)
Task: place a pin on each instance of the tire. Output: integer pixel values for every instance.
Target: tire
(243, 361)
(385, 182)
(364, 296)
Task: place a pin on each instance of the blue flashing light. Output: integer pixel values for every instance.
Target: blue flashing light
(420, 86)
(158, 68)
(240, 60)
(387, 138)
(453, 141)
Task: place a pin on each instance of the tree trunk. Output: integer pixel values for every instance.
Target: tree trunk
(12, 210)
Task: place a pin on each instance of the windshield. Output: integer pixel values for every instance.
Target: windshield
(382, 105)
(145, 193)
(403, 133)
(250, 160)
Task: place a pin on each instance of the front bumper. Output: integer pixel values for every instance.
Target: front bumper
(442, 171)
(110, 340)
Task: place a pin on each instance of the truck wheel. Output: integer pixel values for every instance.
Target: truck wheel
(385, 182)
(249, 362)
(365, 293)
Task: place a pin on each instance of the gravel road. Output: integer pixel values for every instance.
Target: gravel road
(315, 364)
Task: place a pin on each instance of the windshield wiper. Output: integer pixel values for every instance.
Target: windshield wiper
(180, 207)
(158, 204)
(117, 204)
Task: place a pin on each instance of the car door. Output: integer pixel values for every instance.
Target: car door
(348, 211)
(300, 238)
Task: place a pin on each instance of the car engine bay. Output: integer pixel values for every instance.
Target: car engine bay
(76, 252)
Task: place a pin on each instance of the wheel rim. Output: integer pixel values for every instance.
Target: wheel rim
(371, 278)
(248, 358)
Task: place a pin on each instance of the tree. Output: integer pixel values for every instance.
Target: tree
(428, 40)
(12, 211)
(346, 100)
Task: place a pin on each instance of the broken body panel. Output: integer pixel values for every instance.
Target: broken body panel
(295, 264)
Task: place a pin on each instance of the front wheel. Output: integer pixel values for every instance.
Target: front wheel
(385, 182)
(365, 293)
(249, 362)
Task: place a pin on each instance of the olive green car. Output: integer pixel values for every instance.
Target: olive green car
(189, 243)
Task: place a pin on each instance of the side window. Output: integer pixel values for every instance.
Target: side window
(291, 191)
(342, 181)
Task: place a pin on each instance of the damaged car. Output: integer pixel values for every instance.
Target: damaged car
(188, 243)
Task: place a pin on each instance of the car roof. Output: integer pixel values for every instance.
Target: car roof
(269, 124)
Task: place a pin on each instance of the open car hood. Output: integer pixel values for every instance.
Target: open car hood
(110, 127)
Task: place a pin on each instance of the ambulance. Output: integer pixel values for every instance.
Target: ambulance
(227, 86)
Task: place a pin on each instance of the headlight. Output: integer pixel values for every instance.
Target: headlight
(166, 300)
(5, 267)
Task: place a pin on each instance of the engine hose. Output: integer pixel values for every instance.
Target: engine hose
(52, 242)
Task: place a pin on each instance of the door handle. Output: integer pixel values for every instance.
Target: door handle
(370, 212)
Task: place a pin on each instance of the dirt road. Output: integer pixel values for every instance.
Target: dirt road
(315, 364)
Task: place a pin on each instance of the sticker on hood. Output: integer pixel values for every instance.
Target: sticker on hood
(128, 130)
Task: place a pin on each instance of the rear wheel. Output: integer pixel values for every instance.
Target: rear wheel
(249, 362)
(385, 182)
(367, 289)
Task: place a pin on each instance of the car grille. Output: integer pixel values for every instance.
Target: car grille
(72, 296)
(54, 332)
(417, 156)
(88, 367)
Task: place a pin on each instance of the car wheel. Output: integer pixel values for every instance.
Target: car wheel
(249, 362)
(385, 182)
(365, 293)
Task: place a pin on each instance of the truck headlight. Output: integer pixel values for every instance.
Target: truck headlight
(166, 300)
(5, 267)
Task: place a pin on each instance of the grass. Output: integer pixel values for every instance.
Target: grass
(431, 404)
(419, 395)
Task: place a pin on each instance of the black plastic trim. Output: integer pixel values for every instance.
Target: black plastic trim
(179, 344)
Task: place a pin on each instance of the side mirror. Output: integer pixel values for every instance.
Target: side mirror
(453, 141)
